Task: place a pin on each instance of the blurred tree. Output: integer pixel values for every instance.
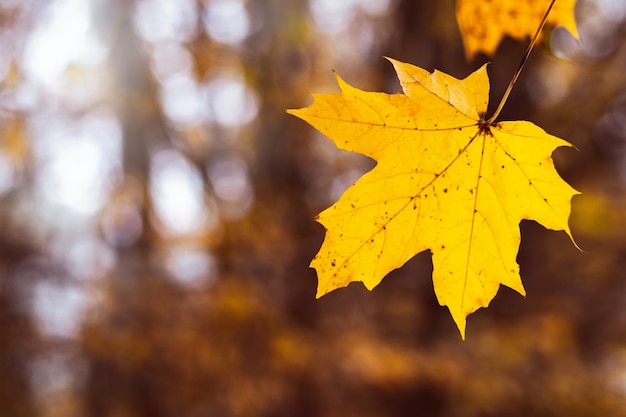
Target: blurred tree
(19, 340)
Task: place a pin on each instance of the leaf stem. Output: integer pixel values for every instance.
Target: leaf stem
(490, 121)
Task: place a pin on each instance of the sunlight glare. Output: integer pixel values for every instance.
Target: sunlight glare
(178, 194)
(229, 178)
(335, 16)
(170, 58)
(192, 267)
(64, 39)
(332, 16)
(59, 309)
(613, 10)
(181, 100)
(227, 21)
(78, 160)
(231, 102)
(87, 257)
(162, 20)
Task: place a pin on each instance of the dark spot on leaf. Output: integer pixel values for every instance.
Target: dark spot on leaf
(483, 127)
(445, 190)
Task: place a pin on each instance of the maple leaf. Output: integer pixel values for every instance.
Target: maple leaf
(483, 24)
(444, 181)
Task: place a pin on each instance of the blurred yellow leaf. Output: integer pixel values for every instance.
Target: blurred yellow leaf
(599, 214)
(444, 181)
(15, 143)
(483, 24)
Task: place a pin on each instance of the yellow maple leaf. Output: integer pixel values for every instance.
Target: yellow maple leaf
(483, 24)
(444, 181)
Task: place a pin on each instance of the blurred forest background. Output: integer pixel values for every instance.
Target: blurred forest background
(156, 207)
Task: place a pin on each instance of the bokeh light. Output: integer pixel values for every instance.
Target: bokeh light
(178, 194)
(182, 101)
(613, 10)
(227, 21)
(230, 101)
(77, 160)
(46, 63)
(157, 207)
(192, 267)
(59, 309)
(232, 187)
(161, 20)
(169, 59)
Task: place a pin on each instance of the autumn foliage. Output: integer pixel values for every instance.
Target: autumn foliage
(444, 181)
(178, 285)
(483, 24)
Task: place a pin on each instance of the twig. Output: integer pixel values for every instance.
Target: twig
(490, 121)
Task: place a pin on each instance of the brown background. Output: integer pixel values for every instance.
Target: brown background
(220, 319)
